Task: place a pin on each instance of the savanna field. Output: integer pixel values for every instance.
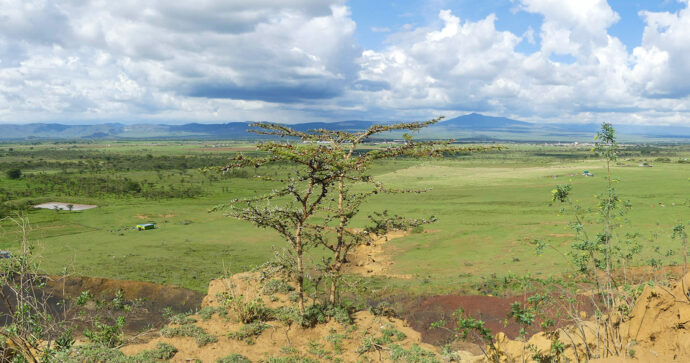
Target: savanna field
(489, 208)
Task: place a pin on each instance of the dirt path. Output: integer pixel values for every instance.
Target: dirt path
(372, 259)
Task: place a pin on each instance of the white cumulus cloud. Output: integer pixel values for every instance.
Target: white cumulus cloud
(472, 66)
(296, 60)
(77, 59)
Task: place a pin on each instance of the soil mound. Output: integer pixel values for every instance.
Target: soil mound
(217, 331)
(656, 330)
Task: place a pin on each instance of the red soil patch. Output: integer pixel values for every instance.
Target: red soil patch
(157, 297)
(490, 309)
(151, 300)
(154, 298)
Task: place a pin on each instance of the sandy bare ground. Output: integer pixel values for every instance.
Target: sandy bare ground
(372, 259)
(64, 206)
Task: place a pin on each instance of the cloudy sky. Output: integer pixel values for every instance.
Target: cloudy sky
(87, 61)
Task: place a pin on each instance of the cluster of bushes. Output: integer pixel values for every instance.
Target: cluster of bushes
(42, 184)
(55, 159)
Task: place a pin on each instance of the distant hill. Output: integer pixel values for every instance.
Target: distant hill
(475, 121)
(470, 127)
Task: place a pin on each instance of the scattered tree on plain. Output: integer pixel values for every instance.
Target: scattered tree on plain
(328, 179)
(14, 173)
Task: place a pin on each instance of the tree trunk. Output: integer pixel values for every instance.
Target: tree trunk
(300, 274)
(685, 254)
(333, 296)
(334, 287)
(340, 243)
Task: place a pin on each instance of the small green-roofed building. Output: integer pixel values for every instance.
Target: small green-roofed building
(145, 226)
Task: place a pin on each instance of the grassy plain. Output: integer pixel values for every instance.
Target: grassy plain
(489, 207)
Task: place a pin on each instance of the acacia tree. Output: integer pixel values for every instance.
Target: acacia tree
(305, 190)
(352, 180)
(328, 178)
(596, 255)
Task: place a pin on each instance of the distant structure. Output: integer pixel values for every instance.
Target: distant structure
(145, 226)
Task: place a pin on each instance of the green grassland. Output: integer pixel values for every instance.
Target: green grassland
(489, 207)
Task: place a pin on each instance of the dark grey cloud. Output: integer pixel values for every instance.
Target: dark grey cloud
(266, 92)
(41, 22)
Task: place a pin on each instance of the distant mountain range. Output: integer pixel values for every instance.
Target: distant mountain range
(470, 127)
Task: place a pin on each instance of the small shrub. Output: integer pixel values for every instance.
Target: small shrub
(336, 342)
(163, 351)
(287, 315)
(181, 319)
(276, 286)
(207, 312)
(234, 358)
(291, 359)
(65, 341)
(249, 331)
(205, 339)
(109, 335)
(119, 302)
(383, 309)
(318, 350)
(288, 350)
(390, 332)
(414, 355)
(248, 311)
(368, 344)
(189, 330)
(84, 297)
(293, 296)
(319, 314)
(91, 353)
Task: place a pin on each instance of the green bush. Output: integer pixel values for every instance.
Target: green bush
(163, 351)
(13, 173)
(234, 358)
(181, 319)
(189, 330)
(276, 286)
(291, 359)
(252, 310)
(91, 353)
(109, 335)
(414, 355)
(249, 331)
(207, 312)
(97, 353)
(318, 314)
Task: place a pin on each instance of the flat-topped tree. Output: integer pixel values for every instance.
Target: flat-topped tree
(325, 165)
